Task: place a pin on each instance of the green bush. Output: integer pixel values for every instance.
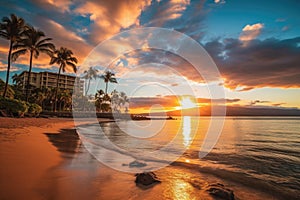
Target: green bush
(34, 109)
(12, 106)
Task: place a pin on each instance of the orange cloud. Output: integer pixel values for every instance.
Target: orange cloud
(260, 63)
(62, 37)
(57, 5)
(111, 16)
(3, 67)
(251, 32)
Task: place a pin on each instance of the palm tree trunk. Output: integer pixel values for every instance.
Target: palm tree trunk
(8, 69)
(55, 96)
(106, 87)
(88, 87)
(29, 75)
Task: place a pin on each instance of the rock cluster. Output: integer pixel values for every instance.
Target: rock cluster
(146, 179)
(219, 191)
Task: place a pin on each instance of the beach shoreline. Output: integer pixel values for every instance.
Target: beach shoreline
(44, 158)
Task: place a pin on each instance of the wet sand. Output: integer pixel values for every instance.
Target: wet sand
(44, 159)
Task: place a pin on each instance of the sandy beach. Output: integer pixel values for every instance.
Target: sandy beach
(44, 159)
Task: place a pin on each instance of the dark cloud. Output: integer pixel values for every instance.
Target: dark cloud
(278, 104)
(267, 63)
(147, 102)
(176, 64)
(183, 16)
(257, 102)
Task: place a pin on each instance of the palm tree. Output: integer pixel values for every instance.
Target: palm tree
(115, 101)
(99, 96)
(11, 29)
(63, 57)
(17, 79)
(108, 76)
(34, 43)
(124, 100)
(10, 92)
(90, 74)
(39, 96)
(64, 99)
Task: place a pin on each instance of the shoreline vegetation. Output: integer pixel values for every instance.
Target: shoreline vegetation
(39, 151)
(27, 98)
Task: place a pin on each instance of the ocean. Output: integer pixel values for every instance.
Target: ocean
(257, 152)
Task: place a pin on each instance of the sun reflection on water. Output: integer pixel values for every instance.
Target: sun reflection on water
(186, 131)
(181, 190)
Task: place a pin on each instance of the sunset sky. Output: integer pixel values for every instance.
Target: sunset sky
(255, 45)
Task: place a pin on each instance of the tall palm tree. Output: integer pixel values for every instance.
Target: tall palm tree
(108, 76)
(11, 29)
(90, 74)
(63, 57)
(34, 43)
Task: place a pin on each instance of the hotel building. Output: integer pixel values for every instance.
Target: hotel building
(48, 79)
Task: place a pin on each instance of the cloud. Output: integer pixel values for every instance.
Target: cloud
(278, 104)
(184, 16)
(161, 63)
(258, 102)
(163, 11)
(285, 28)
(251, 32)
(3, 67)
(54, 5)
(61, 37)
(280, 20)
(268, 63)
(109, 17)
(220, 1)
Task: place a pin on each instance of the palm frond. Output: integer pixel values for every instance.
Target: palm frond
(72, 65)
(73, 59)
(43, 41)
(18, 53)
(54, 60)
(47, 51)
(113, 80)
(19, 46)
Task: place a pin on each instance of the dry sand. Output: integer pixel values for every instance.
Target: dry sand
(44, 159)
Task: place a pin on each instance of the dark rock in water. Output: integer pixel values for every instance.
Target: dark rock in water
(146, 179)
(137, 164)
(219, 191)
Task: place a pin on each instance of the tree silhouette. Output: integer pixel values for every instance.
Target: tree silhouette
(108, 76)
(63, 57)
(11, 29)
(34, 43)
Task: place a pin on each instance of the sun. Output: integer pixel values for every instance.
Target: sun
(186, 103)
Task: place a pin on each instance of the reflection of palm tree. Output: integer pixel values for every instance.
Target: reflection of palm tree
(108, 77)
(90, 74)
(63, 57)
(34, 43)
(11, 29)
